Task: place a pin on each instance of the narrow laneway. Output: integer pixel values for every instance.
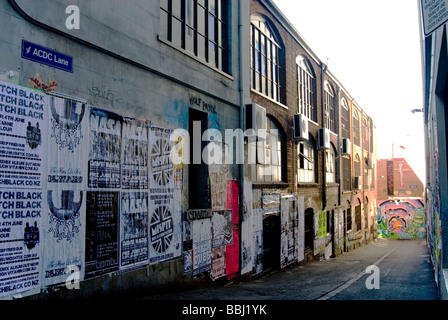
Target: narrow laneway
(405, 273)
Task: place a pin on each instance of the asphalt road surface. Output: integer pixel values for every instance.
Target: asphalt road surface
(381, 270)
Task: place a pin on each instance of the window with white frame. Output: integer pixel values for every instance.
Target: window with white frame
(272, 170)
(330, 161)
(306, 161)
(199, 27)
(306, 88)
(330, 108)
(266, 71)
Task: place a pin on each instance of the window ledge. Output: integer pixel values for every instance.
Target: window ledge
(332, 184)
(270, 99)
(307, 185)
(261, 185)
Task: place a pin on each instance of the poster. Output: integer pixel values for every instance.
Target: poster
(135, 157)
(247, 231)
(257, 227)
(202, 246)
(222, 228)
(165, 223)
(161, 167)
(64, 205)
(105, 149)
(165, 229)
(23, 125)
(101, 233)
(271, 203)
(288, 224)
(233, 250)
(218, 263)
(187, 246)
(219, 175)
(300, 238)
(133, 228)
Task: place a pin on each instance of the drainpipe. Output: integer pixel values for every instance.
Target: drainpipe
(323, 69)
(241, 71)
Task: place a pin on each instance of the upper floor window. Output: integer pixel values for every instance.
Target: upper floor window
(265, 60)
(345, 119)
(365, 134)
(306, 88)
(330, 165)
(306, 160)
(330, 108)
(357, 165)
(272, 167)
(356, 134)
(199, 27)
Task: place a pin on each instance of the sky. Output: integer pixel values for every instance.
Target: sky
(373, 48)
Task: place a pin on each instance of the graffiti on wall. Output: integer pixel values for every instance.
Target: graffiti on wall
(402, 219)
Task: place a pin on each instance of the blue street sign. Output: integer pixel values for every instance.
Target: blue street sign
(37, 53)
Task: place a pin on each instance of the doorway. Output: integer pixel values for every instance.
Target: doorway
(271, 242)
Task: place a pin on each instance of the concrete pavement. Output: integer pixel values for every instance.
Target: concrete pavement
(399, 270)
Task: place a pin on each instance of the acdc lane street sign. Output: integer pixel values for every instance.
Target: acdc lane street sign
(49, 57)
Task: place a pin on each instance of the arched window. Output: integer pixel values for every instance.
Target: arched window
(306, 89)
(306, 163)
(330, 108)
(356, 134)
(266, 70)
(274, 168)
(345, 119)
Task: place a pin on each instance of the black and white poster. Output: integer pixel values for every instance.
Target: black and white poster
(288, 226)
(135, 155)
(222, 227)
(64, 204)
(23, 154)
(101, 233)
(133, 228)
(202, 247)
(105, 149)
(165, 228)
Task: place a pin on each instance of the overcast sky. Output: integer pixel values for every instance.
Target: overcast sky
(373, 49)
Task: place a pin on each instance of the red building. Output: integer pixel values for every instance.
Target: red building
(396, 179)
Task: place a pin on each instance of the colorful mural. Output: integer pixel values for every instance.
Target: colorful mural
(401, 219)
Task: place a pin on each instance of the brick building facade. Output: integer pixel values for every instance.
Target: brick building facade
(324, 177)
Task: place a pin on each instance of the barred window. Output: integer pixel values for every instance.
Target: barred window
(199, 27)
(306, 88)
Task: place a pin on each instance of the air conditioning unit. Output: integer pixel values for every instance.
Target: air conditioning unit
(357, 183)
(346, 146)
(324, 139)
(300, 127)
(255, 117)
